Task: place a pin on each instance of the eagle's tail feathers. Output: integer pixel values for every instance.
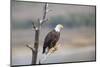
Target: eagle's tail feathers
(44, 50)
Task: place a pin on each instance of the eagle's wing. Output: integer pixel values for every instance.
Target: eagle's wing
(51, 39)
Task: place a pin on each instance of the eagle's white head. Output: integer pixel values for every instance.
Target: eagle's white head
(58, 27)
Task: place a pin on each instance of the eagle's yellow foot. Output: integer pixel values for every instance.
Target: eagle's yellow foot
(54, 49)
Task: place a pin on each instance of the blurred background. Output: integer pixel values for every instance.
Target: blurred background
(77, 38)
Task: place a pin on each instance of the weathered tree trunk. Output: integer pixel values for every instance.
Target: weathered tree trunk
(37, 30)
(36, 44)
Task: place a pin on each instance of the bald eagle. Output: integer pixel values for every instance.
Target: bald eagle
(52, 38)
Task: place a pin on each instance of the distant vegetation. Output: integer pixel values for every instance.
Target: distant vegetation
(70, 21)
(74, 20)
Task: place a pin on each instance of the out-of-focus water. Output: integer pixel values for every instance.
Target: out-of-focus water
(77, 44)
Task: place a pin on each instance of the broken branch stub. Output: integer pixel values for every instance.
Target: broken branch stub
(33, 25)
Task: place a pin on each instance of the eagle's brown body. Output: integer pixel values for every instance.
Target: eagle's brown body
(51, 40)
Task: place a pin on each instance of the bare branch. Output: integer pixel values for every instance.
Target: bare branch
(46, 4)
(41, 21)
(33, 25)
(33, 50)
(45, 20)
(44, 10)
